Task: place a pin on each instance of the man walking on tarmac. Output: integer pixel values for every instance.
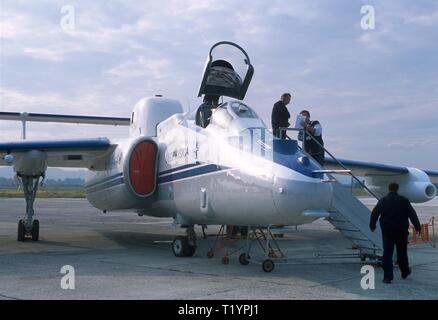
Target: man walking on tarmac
(394, 211)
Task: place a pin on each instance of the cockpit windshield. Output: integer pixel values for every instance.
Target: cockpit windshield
(221, 117)
(227, 119)
(257, 141)
(241, 110)
(224, 115)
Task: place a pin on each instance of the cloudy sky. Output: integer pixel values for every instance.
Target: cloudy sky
(374, 91)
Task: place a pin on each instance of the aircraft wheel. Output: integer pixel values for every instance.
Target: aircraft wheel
(21, 233)
(268, 265)
(379, 262)
(243, 231)
(35, 230)
(182, 248)
(243, 259)
(191, 250)
(225, 260)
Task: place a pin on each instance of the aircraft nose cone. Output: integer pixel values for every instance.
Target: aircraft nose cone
(292, 198)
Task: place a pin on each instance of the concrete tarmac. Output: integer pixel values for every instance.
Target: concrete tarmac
(123, 256)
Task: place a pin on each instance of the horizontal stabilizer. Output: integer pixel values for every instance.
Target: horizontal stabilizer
(64, 118)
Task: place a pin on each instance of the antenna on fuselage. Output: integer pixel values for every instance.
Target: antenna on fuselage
(188, 104)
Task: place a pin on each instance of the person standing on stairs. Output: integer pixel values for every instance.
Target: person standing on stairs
(314, 147)
(280, 115)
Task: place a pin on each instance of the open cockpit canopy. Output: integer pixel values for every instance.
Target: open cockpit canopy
(228, 71)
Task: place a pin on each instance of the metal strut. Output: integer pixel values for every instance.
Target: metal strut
(268, 244)
(30, 188)
(266, 241)
(191, 235)
(28, 226)
(223, 242)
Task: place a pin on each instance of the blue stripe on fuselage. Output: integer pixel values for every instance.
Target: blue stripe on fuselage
(186, 166)
(287, 154)
(196, 171)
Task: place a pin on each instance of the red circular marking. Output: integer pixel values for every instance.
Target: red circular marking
(142, 167)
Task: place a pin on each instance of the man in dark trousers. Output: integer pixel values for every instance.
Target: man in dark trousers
(314, 147)
(280, 115)
(394, 211)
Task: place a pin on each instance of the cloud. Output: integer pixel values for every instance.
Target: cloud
(300, 10)
(370, 89)
(156, 68)
(401, 25)
(82, 102)
(426, 20)
(12, 24)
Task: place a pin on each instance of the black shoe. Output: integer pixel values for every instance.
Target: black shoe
(386, 280)
(404, 276)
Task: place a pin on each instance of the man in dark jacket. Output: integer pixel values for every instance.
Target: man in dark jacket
(205, 110)
(394, 211)
(280, 115)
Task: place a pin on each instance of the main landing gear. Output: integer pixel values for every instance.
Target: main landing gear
(185, 246)
(28, 227)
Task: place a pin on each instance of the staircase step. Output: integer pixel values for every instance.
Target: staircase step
(359, 239)
(351, 218)
(348, 230)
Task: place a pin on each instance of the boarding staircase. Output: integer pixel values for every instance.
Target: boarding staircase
(350, 216)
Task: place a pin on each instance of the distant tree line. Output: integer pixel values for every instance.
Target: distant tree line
(49, 183)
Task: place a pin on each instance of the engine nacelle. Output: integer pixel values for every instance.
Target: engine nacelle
(414, 185)
(129, 180)
(149, 112)
(32, 163)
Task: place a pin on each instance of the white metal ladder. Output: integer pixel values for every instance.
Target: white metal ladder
(348, 214)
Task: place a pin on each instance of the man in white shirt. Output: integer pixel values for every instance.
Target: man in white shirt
(313, 128)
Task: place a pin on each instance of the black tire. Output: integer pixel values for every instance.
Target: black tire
(191, 250)
(268, 265)
(35, 230)
(21, 233)
(178, 246)
(244, 231)
(210, 254)
(225, 260)
(182, 248)
(243, 259)
(379, 263)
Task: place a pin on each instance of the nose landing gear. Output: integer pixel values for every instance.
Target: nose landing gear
(28, 227)
(33, 232)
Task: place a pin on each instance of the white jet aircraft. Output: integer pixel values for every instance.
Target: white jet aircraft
(217, 165)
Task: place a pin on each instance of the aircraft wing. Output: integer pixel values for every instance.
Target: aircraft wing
(364, 168)
(64, 118)
(79, 153)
